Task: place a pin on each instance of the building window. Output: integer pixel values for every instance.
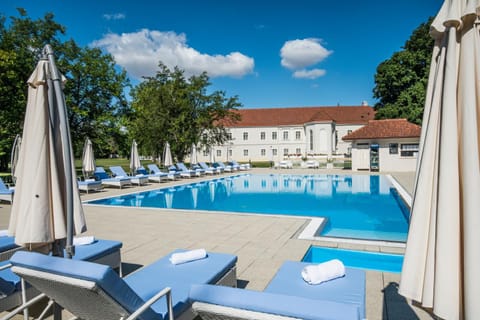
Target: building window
(409, 150)
(263, 152)
(229, 136)
(285, 135)
(393, 147)
(285, 152)
(230, 152)
(245, 152)
(245, 136)
(219, 153)
(262, 135)
(297, 135)
(205, 153)
(274, 135)
(298, 151)
(274, 152)
(311, 140)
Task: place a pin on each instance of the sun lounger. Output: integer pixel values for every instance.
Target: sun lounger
(285, 164)
(119, 172)
(89, 185)
(101, 175)
(207, 169)
(243, 166)
(312, 164)
(154, 177)
(7, 247)
(79, 285)
(6, 193)
(225, 168)
(172, 174)
(287, 296)
(184, 172)
(106, 252)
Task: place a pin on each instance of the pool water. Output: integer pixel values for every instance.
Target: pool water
(356, 206)
(385, 262)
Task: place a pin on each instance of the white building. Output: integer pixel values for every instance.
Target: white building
(279, 133)
(385, 145)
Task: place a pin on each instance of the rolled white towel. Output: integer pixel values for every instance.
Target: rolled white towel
(187, 256)
(89, 180)
(3, 233)
(329, 270)
(80, 241)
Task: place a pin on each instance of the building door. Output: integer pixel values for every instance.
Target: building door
(374, 157)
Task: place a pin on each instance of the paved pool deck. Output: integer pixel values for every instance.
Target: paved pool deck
(262, 243)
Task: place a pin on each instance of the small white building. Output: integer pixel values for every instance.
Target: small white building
(273, 134)
(385, 145)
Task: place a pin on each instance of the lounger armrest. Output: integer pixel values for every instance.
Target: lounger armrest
(164, 292)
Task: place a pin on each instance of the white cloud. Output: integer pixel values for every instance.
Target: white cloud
(140, 52)
(114, 16)
(297, 54)
(309, 74)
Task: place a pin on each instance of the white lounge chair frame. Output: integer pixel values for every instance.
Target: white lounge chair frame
(103, 307)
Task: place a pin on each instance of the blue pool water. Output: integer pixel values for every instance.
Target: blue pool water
(357, 259)
(356, 206)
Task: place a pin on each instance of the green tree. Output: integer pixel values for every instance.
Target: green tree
(94, 89)
(401, 81)
(170, 108)
(20, 44)
(95, 97)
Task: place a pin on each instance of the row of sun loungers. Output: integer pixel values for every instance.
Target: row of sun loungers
(202, 287)
(120, 178)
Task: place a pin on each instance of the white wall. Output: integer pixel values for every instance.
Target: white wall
(388, 162)
(343, 147)
(324, 142)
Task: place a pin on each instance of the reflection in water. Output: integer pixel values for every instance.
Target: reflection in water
(362, 206)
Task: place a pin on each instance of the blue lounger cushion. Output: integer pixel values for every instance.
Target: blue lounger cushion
(271, 303)
(179, 277)
(7, 243)
(103, 276)
(10, 282)
(349, 289)
(96, 250)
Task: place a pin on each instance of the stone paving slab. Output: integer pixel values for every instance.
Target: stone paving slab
(262, 243)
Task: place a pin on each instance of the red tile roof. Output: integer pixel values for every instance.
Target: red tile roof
(382, 129)
(300, 115)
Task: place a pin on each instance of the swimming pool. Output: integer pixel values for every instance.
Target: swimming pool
(378, 261)
(356, 206)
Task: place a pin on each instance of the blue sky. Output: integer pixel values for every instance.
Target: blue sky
(268, 53)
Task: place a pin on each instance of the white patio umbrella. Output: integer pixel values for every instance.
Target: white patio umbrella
(88, 159)
(17, 143)
(46, 206)
(193, 154)
(442, 258)
(167, 156)
(212, 156)
(134, 158)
